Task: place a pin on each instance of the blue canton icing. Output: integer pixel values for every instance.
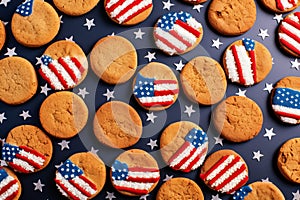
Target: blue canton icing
(119, 170)
(9, 152)
(242, 193)
(286, 97)
(249, 44)
(3, 174)
(168, 20)
(69, 170)
(25, 9)
(196, 137)
(144, 87)
(46, 60)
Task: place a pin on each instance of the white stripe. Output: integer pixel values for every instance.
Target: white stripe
(156, 99)
(216, 171)
(200, 162)
(286, 4)
(291, 28)
(10, 191)
(193, 23)
(186, 35)
(167, 36)
(279, 108)
(84, 185)
(144, 174)
(111, 3)
(195, 154)
(6, 181)
(133, 185)
(73, 67)
(245, 64)
(289, 120)
(234, 182)
(294, 18)
(182, 155)
(65, 75)
(231, 66)
(289, 40)
(62, 191)
(121, 7)
(32, 157)
(165, 86)
(52, 77)
(25, 165)
(164, 47)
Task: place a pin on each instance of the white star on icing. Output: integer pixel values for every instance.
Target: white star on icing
(25, 114)
(179, 66)
(263, 33)
(4, 2)
(198, 7)
(61, 20)
(94, 151)
(89, 23)
(2, 117)
(83, 92)
(64, 145)
(11, 52)
(269, 133)
(215, 197)
(269, 87)
(151, 117)
(219, 140)
(45, 89)
(278, 18)
(257, 155)
(152, 143)
(109, 94)
(139, 34)
(110, 195)
(216, 43)
(241, 93)
(167, 5)
(295, 64)
(167, 178)
(59, 165)
(38, 185)
(296, 195)
(189, 110)
(150, 56)
(144, 197)
(265, 180)
(71, 38)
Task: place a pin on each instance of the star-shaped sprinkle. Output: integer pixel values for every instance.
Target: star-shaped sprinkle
(89, 23)
(110, 195)
(38, 185)
(198, 7)
(152, 143)
(241, 93)
(112, 34)
(4, 2)
(109, 94)
(2, 117)
(167, 178)
(219, 140)
(139, 34)
(45, 89)
(189, 110)
(263, 33)
(94, 151)
(38, 60)
(150, 56)
(151, 117)
(64, 145)
(179, 66)
(11, 52)
(61, 20)
(269, 133)
(58, 165)
(2, 140)
(167, 5)
(5, 23)
(3, 163)
(83, 92)
(257, 155)
(269, 87)
(278, 18)
(266, 180)
(215, 197)
(144, 197)
(25, 114)
(273, 61)
(71, 38)
(296, 195)
(216, 43)
(295, 64)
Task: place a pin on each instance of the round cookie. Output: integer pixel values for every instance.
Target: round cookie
(224, 171)
(75, 7)
(285, 100)
(114, 65)
(35, 23)
(18, 80)
(179, 188)
(281, 6)
(134, 173)
(288, 159)
(27, 149)
(258, 191)
(82, 176)
(63, 114)
(2, 34)
(288, 34)
(155, 87)
(64, 65)
(183, 146)
(203, 80)
(247, 62)
(117, 125)
(128, 12)
(10, 179)
(194, 2)
(177, 33)
(238, 119)
(232, 17)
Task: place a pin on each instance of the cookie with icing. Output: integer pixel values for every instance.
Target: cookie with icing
(281, 6)
(2, 34)
(177, 33)
(10, 185)
(75, 7)
(194, 2)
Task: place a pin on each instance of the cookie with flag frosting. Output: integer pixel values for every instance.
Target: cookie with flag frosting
(285, 100)
(177, 33)
(135, 173)
(155, 87)
(75, 7)
(64, 65)
(224, 171)
(194, 2)
(247, 62)
(37, 15)
(183, 146)
(27, 149)
(289, 34)
(281, 6)
(128, 12)
(10, 185)
(2, 34)
(81, 176)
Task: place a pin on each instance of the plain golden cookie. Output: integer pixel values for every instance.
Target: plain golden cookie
(14, 191)
(179, 188)
(85, 170)
(203, 80)
(232, 17)
(35, 23)
(117, 125)
(75, 7)
(134, 173)
(63, 114)
(238, 119)
(280, 6)
(18, 80)
(114, 59)
(2, 34)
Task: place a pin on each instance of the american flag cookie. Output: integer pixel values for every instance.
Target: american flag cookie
(128, 12)
(194, 2)
(134, 173)
(247, 62)
(10, 185)
(75, 7)
(82, 176)
(155, 87)
(183, 146)
(27, 149)
(64, 65)
(281, 6)
(2, 34)
(224, 171)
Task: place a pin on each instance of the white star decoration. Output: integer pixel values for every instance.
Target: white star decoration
(94, 151)
(25, 115)
(45, 89)
(257, 155)
(216, 43)
(83, 92)
(219, 140)
(89, 23)
(139, 34)
(265, 180)
(269, 87)
(5, 23)
(241, 93)
(179, 66)
(11, 52)
(295, 64)
(278, 18)
(263, 33)
(152, 143)
(112, 34)
(2, 117)
(269, 133)
(296, 195)
(151, 117)
(215, 197)
(71, 38)
(4, 2)
(109, 94)
(38, 61)
(59, 165)
(167, 5)
(64, 145)
(61, 20)
(150, 56)
(110, 195)
(167, 178)
(144, 197)
(198, 7)
(189, 110)
(38, 185)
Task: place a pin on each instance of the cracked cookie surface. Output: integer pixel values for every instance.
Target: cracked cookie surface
(75, 7)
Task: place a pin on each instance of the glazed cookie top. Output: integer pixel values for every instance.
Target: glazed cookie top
(75, 7)
(2, 34)
(281, 6)
(10, 186)
(35, 23)
(177, 33)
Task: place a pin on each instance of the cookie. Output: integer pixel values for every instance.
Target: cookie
(155, 87)
(232, 17)
(75, 7)
(117, 125)
(35, 23)
(27, 149)
(64, 65)
(224, 171)
(63, 114)
(183, 146)
(134, 173)
(288, 159)
(18, 80)
(114, 65)
(194, 2)
(203, 80)
(128, 12)
(2, 34)
(247, 62)
(258, 191)
(177, 33)
(281, 6)
(82, 176)
(10, 186)
(179, 188)
(238, 119)
(288, 34)
(285, 100)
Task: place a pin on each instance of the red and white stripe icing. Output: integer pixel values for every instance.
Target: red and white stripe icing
(9, 187)
(286, 4)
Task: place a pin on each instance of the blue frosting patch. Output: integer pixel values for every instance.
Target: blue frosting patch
(196, 137)
(144, 87)
(25, 9)
(69, 170)
(46, 60)
(3, 174)
(119, 170)
(286, 97)
(168, 20)
(249, 44)
(9, 152)
(242, 193)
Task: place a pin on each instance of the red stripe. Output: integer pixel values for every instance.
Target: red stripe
(279, 5)
(292, 23)
(78, 64)
(114, 6)
(165, 103)
(165, 92)
(179, 37)
(143, 180)
(290, 115)
(46, 78)
(157, 82)
(65, 189)
(178, 152)
(125, 10)
(290, 46)
(132, 190)
(253, 65)
(204, 176)
(196, 160)
(88, 181)
(238, 65)
(59, 76)
(138, 12)
(6, 187)
(166, 42)
(187, 27)
(298, 15)
(292, 2)
(12, 196)
(243, 182)
(177, 167)
(29, 161)
(68, 69)
(18, 168)
(82, 190)
(32, 151)
(142, 169)
(289, 33)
